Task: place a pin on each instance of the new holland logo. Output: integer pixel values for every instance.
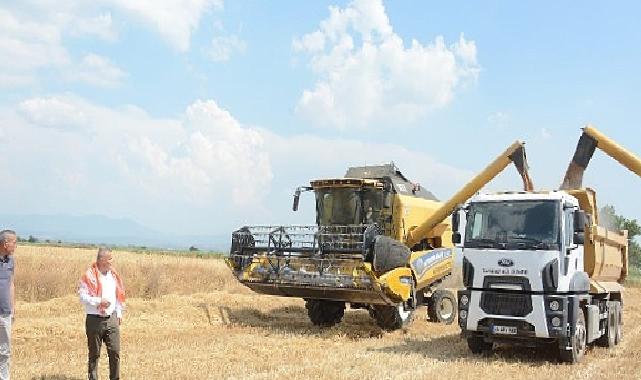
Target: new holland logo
(506, 262)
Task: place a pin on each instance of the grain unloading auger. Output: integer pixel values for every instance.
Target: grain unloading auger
(380, 243)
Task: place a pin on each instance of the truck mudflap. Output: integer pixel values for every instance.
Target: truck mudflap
(326, 262)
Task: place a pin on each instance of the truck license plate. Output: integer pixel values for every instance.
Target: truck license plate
(505, 330)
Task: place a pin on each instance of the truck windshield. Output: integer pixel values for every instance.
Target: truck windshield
(529, 225)
(338, 206)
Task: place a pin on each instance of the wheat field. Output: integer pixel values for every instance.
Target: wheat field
(187, 318)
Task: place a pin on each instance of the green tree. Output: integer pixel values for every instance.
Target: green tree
(32, 239)
(610, 219)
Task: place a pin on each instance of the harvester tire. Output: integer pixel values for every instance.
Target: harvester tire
(392, 318)
(441, 307)
(325, 313)
(389, 254)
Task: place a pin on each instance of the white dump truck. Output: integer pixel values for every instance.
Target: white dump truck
(538, 269)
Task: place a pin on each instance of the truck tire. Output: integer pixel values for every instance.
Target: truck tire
(389, 254)
(392, 318)
(618, 336)
(609, 338)
(441, 307)
(578, 341)
(325, 313)
(477, 345)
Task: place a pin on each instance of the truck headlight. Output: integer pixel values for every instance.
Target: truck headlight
(554, 305)
(463, 314)
(464, 300)
(556, 321)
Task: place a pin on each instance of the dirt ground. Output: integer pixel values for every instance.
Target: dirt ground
(231, 333)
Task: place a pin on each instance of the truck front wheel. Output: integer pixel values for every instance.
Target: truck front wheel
(325, 313)
(479, 346)
(578, 341)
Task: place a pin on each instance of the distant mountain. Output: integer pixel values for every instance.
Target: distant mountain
(100, 229)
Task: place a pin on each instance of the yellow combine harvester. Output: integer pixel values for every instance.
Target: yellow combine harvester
(380, 243)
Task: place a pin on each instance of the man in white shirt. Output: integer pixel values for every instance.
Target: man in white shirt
(7, 298)
(102, 293)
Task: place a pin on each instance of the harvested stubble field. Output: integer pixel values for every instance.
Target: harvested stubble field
(187, 318)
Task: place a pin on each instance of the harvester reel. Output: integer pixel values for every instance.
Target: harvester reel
(279, 238)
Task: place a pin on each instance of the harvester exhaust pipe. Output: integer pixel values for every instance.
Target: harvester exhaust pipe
(515, 153)
(591, 139)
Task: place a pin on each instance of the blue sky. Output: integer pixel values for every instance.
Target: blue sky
(200, 116)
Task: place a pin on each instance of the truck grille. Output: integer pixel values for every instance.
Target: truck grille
(515, 305)
(504, 302)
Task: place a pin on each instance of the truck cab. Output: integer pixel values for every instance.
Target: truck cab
(525, 276)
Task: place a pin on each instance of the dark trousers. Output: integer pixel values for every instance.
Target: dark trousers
(103, 329)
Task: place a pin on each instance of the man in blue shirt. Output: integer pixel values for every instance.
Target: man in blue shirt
(7, 298)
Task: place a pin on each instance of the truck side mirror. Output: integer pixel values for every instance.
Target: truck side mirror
(456, 237)
(579, 238)
(456, 220)
(296, 199)
(580, 220)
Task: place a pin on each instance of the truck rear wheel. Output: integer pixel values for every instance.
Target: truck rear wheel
(325, 313)
(618, 336)
(578, 341)
(609, 338)
(392, 318)
(441, 307)
(477, 345)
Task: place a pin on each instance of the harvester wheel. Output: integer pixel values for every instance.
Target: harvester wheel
(389, 254)
(325, 313)
(392, 318)
(441, 307)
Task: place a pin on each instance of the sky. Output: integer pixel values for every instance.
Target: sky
(200, 116)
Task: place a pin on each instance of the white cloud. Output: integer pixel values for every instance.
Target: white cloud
(100, 26)
(545, 133)
(499, 119)
(97, 71)
(366, 75)
(54, 112)
(203, 170)
(174, 20)
(204, 156)
(27, 45)
(33, 34)
(222, 47)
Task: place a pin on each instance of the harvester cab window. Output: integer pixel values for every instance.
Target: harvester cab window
(372, 205)
(339, 206)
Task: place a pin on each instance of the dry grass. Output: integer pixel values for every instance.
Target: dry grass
(209, 327)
